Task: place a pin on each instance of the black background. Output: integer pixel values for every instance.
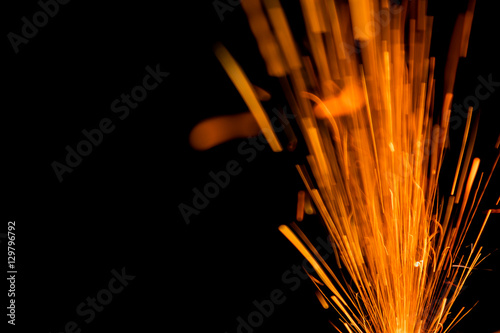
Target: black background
(119, 207)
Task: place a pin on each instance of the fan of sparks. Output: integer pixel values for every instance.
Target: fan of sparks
(364, 100)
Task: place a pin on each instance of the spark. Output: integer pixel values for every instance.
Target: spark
(249, 94)
(322, 300)
(214, 131)
(301, 198)
(376, 138)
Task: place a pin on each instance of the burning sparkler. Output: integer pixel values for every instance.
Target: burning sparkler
(376, 142)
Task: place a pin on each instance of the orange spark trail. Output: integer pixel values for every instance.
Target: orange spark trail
(376, 141)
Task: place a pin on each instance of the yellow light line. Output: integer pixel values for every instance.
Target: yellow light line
(246, 90)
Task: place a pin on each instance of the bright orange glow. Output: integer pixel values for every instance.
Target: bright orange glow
(375, 159)
(322, 300)
(464, 141)
(300, 205)
(308, 205)
(349, 100)
(265, 39)
(376, 145)
(262, 94)
(249, 95)
(214, 131)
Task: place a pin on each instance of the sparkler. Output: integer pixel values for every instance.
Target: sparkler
(376, 138)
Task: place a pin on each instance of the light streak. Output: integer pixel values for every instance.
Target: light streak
(376, 150)
(249, 95)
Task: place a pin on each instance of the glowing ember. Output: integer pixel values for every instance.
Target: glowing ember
(375, 154)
